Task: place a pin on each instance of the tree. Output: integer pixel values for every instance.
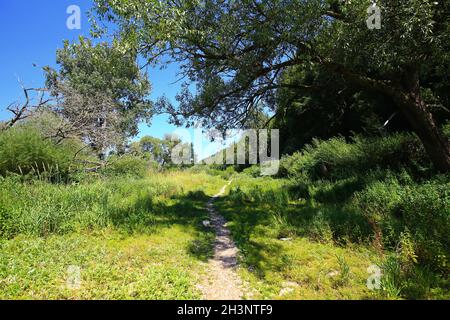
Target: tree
(35, 99)
(159, 150)
(236, 52)
(153, 147)
(347, 110)
(101, 93)
(169, 142)
(94, 118)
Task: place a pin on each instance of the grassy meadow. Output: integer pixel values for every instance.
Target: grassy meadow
(378, 212)
(296, 248)
(131, 238)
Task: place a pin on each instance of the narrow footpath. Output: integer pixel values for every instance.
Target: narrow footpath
(222, 281)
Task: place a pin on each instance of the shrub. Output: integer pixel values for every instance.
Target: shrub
(339, 159)
(411, 282)
(228, 172)
(126, 165)
(425, 212)
(295, 166)
(253, 171)
(23, 150)
(420, 209)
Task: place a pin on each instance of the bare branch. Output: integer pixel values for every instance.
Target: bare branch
(22, 111)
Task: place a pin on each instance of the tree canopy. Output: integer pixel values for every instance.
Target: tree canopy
(101, 87)
(237, 51)
(161, 150)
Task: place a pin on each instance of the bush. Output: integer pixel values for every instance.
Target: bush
(23, 150)
(381, 180)
(420, 209)
(295, 166)
(253, 171)
(338, 159)
(229, 172)
(126, 165)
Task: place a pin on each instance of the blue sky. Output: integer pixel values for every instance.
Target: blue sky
(32, 30)
(30, 33)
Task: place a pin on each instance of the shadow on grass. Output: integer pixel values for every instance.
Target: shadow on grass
(149, 216)
(259, 228)
(246, 221)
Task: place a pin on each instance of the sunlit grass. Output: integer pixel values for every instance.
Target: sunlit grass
(301, 248)
(144, 240)
(286, 266)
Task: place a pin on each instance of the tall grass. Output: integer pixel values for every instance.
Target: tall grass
(25, 151)
(339, 159)
(40, 208)
(381, 192)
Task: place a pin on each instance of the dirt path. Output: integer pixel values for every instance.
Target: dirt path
(222, 282)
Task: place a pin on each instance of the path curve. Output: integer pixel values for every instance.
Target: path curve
(222, 281)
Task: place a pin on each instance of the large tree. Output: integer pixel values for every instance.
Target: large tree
(100, 93)
(236, 52)
(346, 110)
(159, 150)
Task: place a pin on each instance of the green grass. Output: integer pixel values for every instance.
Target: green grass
(298, 268)
(113, 266)
(303, 248)
(131, 239)
(143, 238)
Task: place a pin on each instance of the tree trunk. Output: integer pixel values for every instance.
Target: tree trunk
(406, 95)
(414, 109)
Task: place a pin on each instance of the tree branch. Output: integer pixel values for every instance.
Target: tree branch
(21, 112)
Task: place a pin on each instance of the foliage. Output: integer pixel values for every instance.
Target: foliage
(162, 150)
(384, 182)
(131, 238)
(221, 35)
(254, 171)
(347, 110)
(23, 150)
(100, 89)
(237, 53)
(420, 210)
(337, 158)
(126, 165)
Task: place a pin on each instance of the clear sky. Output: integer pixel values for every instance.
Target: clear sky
(30, 33)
